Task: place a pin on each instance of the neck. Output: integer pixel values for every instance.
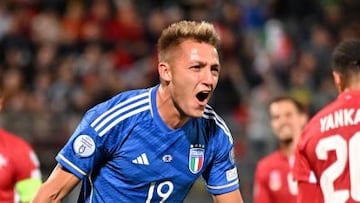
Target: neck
(352, 87)
(288, 148)
(167, 109)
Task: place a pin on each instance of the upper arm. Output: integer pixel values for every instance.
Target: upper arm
(221, 174)
(230, 197)
(57, 186)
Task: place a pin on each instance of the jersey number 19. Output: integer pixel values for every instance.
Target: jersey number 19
(166, 185)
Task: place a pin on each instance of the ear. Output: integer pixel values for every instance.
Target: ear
(164, 71)
(337, 81)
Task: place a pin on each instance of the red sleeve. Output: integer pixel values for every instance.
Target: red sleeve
(261, 189)
(302, 170)
(309, 193)
(26, 163)
(308, 188)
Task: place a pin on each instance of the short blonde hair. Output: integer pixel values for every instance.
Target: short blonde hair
(184, 30)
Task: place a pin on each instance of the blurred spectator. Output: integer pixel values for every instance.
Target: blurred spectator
(5, 18)
(71, 22)
(20, 175)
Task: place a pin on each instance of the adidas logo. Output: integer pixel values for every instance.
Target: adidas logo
(142, 159)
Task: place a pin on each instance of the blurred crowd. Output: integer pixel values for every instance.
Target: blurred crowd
(58, 58)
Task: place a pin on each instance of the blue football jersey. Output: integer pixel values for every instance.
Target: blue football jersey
(124, 152)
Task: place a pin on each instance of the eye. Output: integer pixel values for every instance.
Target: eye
(196, 67)
(215, 69)
(274, 117)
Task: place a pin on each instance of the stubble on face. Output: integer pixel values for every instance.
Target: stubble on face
(285, 134)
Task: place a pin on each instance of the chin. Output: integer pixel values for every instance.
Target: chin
(196, 113)
(286, 140)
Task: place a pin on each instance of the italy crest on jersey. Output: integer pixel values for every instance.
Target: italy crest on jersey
(196, 159)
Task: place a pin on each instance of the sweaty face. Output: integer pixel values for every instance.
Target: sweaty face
(286, 121)
(194, 73)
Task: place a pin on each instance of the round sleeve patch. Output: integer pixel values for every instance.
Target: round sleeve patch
(232, 156)
(84, 146)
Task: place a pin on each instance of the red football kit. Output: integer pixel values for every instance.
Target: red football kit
(19, 169)
(327, 162)
(273, 179)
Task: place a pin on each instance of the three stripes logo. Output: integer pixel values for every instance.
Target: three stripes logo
(196, 158)
(142, 160)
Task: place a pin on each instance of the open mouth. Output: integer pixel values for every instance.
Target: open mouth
(201, 96)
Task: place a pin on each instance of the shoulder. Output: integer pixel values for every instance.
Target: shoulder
(128, 101)
(121, 110)
(314, 126)
(266, 166)
(213, 120)
(269, 160)
(13, 140)
(125, 99)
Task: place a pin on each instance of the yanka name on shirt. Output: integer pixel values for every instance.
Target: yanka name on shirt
(340, 118)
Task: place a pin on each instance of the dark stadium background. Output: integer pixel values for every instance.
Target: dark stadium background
(58, 58)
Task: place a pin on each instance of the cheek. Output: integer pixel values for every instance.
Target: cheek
(181, 88)
(187, 82)
(274, 126)
(216, 82)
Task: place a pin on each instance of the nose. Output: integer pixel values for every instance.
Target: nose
(283, 120)
(209, 77)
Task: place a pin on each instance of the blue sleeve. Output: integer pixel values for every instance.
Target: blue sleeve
(221, 177)
(84, 150)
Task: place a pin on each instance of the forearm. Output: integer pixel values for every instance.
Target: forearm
(58, 185)
(231, 197)
(48, 195)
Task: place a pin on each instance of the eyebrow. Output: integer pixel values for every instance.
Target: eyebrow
(215, 66)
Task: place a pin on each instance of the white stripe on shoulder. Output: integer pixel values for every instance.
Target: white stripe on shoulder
(151, 104)
(118, 112)
(211, 114)
(118, 106)
(72, 165)
(215, 116)
(123, 117)
(223, 186)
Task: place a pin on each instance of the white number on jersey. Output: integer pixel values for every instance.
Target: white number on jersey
(164, 195)
(344, 152)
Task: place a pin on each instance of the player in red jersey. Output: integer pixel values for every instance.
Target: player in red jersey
(327, 163)
(273, 177)
(20, 175)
